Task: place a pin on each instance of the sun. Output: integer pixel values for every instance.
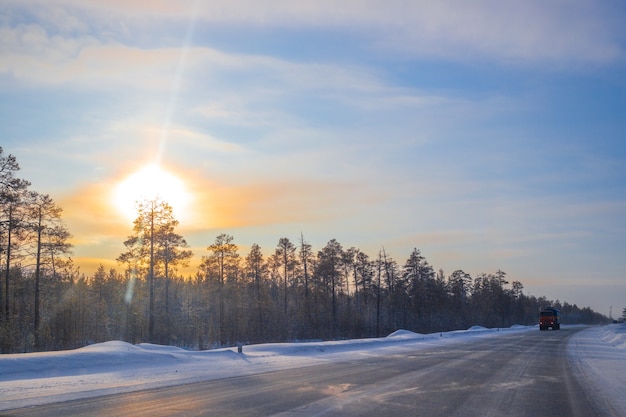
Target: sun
(149, 183)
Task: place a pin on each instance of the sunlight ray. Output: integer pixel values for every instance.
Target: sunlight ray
(180, 70)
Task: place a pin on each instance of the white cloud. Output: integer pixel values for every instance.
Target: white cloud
(533, 31)
(529, 31)
(33, 41)
(84, 64)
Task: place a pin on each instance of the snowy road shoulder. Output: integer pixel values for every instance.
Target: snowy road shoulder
(599, 356)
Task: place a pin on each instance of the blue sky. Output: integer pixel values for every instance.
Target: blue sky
(488, 134)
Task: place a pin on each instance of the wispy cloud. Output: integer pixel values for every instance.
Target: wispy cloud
(580, 31)
(96, 68)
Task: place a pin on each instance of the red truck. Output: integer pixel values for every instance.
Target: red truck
(549, 318)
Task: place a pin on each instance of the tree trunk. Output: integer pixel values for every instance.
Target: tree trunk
(37, 279)
(151, 279)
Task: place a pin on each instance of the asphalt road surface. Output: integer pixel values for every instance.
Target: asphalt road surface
(521, 374)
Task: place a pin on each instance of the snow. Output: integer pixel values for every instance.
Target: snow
(598, 354)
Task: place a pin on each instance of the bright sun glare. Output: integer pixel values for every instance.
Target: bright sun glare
(147, 184)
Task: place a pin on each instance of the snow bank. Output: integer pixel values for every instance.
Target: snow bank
(598, 355)
(615, 336)
(477, 329)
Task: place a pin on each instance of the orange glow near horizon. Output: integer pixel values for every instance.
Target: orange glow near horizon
(149, 183)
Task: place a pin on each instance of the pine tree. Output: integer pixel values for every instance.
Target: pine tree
(328, 271)
(225, 259)
(13, 194)
(285, 256)
(153, 244)
(48, 239)
(255, 272)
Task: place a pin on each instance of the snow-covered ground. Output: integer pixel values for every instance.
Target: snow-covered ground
(599, 354)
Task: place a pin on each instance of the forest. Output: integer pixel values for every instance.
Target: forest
(295, 293)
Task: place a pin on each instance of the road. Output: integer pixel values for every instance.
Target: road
(520, 374)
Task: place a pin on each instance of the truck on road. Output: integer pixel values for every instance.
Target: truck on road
(549, 318)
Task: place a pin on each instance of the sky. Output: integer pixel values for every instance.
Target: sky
(487, 134)
(30, 379)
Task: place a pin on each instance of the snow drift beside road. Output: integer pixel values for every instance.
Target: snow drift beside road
(115, 367)
(599, 356)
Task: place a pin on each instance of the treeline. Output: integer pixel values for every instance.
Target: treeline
(253, 299)
(295, 293)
